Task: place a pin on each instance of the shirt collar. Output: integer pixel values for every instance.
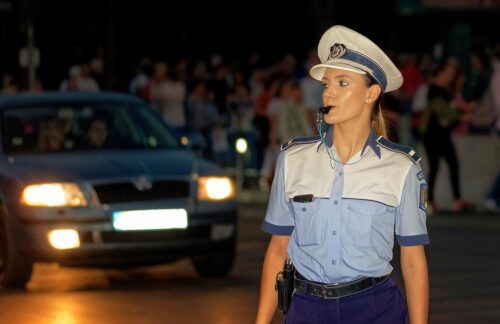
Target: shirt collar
(329, 136)
(371, 141)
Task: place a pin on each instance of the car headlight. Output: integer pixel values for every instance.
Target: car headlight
(215, 188)
(53, 195)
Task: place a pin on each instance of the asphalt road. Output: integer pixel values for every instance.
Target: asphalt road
(464, 262)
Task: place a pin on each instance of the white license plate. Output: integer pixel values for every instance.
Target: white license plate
(153, 219)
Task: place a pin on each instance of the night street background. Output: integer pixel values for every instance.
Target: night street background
(68, 32)
(242, 38)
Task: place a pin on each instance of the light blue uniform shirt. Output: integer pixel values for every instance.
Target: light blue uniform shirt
(348, 230)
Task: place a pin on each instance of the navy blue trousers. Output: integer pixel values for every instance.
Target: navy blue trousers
(382, 304)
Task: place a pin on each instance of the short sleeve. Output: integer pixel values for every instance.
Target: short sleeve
(411, 215)
(278, 220)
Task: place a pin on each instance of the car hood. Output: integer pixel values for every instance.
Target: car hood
(101, 166)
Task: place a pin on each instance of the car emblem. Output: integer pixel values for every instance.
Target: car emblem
(142, 183)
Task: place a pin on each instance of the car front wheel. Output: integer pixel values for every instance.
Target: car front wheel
(15, 268)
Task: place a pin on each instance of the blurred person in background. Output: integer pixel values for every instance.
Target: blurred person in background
(276, 104)
(492, 202)
(467, 107)
(200, 72)
(220, 85)
(97, 67)
(393, 109)
(494, 89)
(412, 75)
(38, 86)
(292, 119)
(86, 82)
(256, 83)
(480, 75)
(427, 65)
(262, 123)
(440, 117)
(9, 85)
(71, 83)
(181, 70)
(220, 144)
(168, 97)
(413, 79)
(202, 114)
(140, 85)
(241, 108)
(419, 103)
(479, 93)
(493, 198)
(311, 90)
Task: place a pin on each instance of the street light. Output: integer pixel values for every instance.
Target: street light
(241, 146)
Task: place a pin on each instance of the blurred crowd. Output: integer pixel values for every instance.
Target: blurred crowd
(269, 104)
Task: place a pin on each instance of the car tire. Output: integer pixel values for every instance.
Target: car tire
(215, 264)
(15, 267)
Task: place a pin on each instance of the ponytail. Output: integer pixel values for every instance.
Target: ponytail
(378, 120)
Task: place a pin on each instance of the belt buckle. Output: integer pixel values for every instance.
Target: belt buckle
(324, 293)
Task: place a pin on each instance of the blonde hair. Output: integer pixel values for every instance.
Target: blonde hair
(378, 121)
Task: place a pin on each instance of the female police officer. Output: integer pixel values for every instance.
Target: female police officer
(338, 200)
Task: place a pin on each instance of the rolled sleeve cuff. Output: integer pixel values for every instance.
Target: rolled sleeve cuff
(422, 239)
(276, 229)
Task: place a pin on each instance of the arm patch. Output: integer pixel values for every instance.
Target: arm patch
(422, 203)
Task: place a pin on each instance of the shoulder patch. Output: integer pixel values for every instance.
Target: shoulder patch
(300, 140)
(406, 150)
(422, 204)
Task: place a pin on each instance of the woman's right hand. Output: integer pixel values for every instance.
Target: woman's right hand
(273, 263)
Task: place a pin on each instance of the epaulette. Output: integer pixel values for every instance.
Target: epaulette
(300, 140)
(406, 150)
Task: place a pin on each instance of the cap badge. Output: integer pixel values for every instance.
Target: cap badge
(337, 50)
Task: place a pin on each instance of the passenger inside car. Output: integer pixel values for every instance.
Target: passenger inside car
(51, 135)
(96, 134)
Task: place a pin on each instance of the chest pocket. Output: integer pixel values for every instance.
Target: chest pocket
(307, 224)
(362, 216)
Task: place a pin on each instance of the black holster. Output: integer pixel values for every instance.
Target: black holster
(285, 285)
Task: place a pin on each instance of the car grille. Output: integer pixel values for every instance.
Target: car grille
(127, 192)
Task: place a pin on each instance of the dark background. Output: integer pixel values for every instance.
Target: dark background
(69, 32)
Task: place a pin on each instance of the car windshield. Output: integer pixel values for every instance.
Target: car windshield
(83, 127)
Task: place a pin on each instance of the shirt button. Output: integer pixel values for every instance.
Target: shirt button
(341, 173)
(334, 262)
(304, 209)
(334, 233)
(335, 202)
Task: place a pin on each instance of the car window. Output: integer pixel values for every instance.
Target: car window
(83, 127)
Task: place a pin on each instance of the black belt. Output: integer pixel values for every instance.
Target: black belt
(329, 291)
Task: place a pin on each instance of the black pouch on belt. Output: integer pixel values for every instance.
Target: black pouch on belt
(285, 285)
